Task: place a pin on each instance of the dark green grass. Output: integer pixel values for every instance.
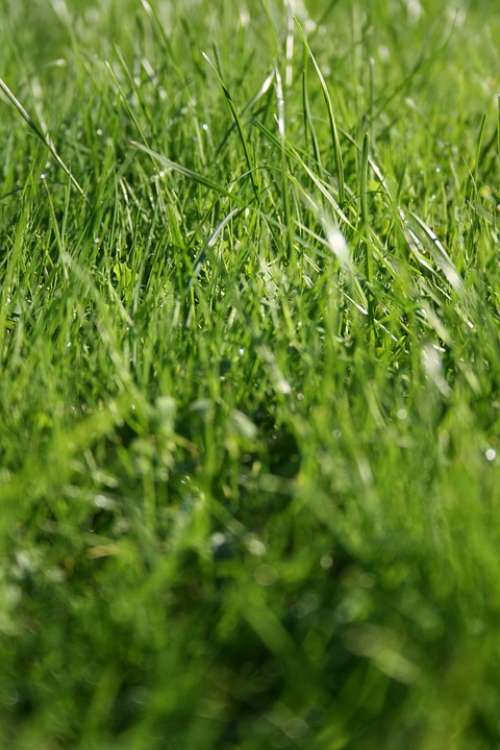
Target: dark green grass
(249, 375)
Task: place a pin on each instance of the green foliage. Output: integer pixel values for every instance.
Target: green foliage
(249, 375)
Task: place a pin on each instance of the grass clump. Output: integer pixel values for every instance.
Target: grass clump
(249, 375)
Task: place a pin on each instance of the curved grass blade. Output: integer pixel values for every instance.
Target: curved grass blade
(309, 128)
(237, 123)
(210, 243)
(266, 85)
(331, 119)
(181, 169)
(44, 137)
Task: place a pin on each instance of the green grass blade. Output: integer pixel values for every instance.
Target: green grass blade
(334, 134)
(237, 122)
(180, 169)
(43, 137)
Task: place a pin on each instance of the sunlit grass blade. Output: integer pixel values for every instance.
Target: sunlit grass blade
(281, 122)
(334, 135)
(309, 127)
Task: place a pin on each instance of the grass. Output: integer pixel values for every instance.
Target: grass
(249, 375)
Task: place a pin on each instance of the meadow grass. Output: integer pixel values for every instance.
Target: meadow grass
(249, 375)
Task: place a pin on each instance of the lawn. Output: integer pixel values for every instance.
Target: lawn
(249, 370)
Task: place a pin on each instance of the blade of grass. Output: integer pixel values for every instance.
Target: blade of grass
(280, 99)
(265, 87)
(210, 243)
(318, 182)
(365, 219)
(43, 137)
(309, 128)
(334, 134)
(237, 122)
(180, 169)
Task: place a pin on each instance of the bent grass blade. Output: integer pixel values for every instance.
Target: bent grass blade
(44, 137)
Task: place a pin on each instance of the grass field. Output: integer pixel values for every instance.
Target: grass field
(249, 360)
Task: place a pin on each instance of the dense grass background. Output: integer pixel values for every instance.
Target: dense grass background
(249, 382)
